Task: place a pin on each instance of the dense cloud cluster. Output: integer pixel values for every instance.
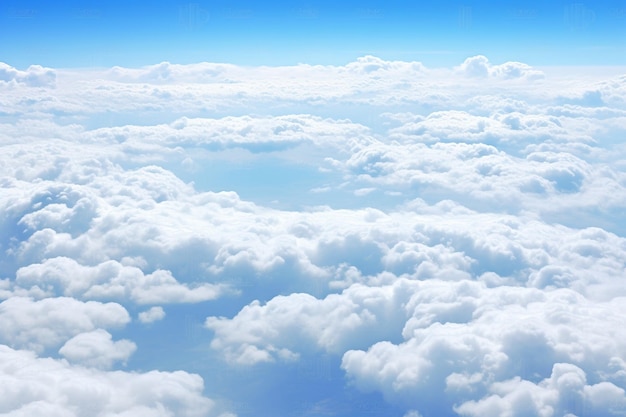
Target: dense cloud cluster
(46, 386)
(452, 239)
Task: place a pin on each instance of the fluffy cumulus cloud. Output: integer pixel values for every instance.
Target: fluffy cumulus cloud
(152, 314)
(38, 324)
(97, 349)
(32, 385)
(110, 280)
(446, 242)
(481, 340)
(479, 66)
(298, 322)
(33, 76)
(566, 392)
(371, 64)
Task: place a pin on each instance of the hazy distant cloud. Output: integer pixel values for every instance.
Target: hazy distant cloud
(207, 89)
(479, 66)
(256, 134)
(370, 64)
(513, 70)
(512, 130)
(613, 91)
(166, 72)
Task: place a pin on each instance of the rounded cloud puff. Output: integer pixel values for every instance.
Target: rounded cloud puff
(112, 280)
(38, 324)
(33, 76)
(152, 314)
(457, 352)
(31, 386)
(97, 349)
(479, 66)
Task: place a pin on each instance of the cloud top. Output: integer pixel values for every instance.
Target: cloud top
(33, 76)
(377, 236)
(479, 66)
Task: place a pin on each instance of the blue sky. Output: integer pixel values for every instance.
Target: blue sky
(250, 33)
(223, 208)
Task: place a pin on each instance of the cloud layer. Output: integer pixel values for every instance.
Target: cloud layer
(450, 240)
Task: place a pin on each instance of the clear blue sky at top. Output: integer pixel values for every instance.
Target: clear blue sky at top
(106, 33)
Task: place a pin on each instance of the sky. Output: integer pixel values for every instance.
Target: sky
(106, 33)
(220, 209)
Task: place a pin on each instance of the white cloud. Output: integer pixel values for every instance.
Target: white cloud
(256, 134)
(485, 177)
(33, 76)
(565, 392)
(121, 223)
(479, 66)
(370, 64)
(479, 338)
(31, 385)
(513, 70)
(111, 280)
(97, 349)
(478, 269)
(476, 66)
(462, 336)
(152, 314)
(166, 72)
(38, 324)
(208, 88)
(299, 322)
